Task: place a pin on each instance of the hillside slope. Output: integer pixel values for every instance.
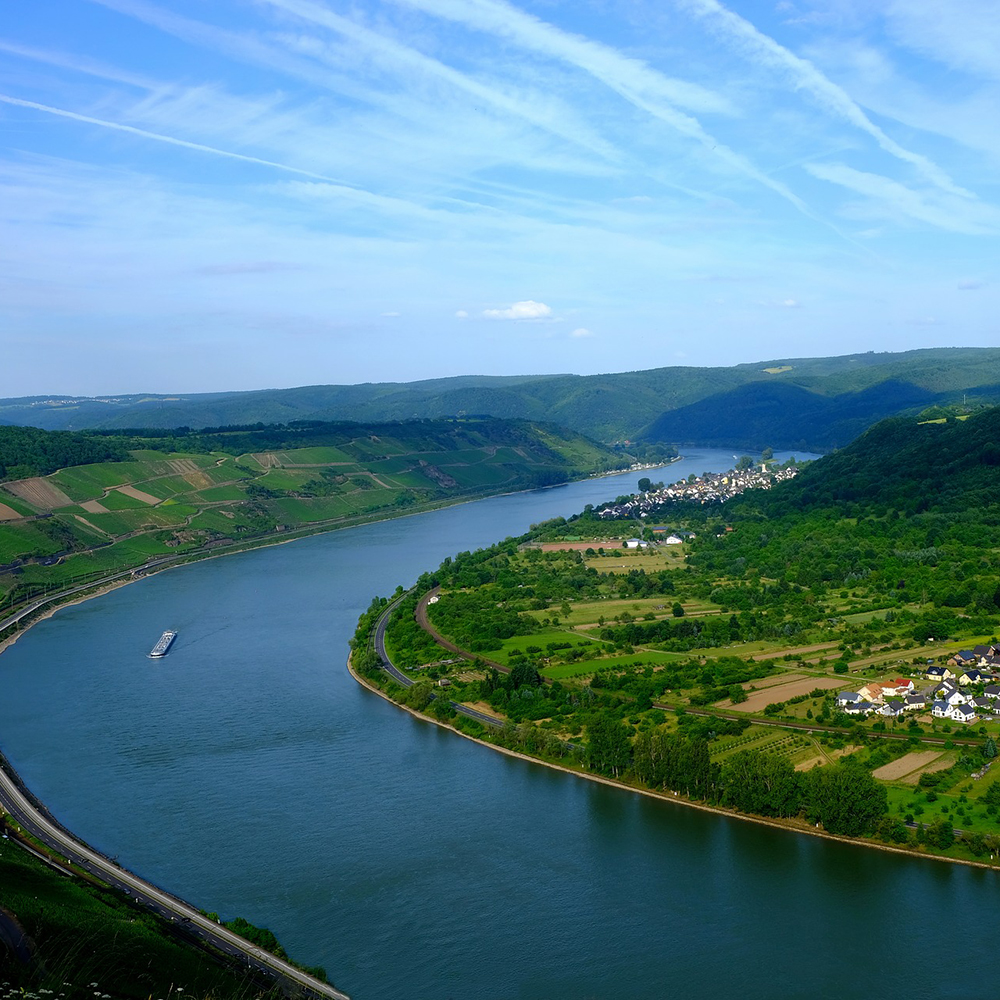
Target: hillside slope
(608, 407)
(781, 415)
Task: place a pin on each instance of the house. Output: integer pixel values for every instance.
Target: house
(982, 704)
(992, 691)
(859, 708)
(903, 686)
(972, 676)
(915, 702)
(872, 692)
(963, 713)
(848, 697)
(956, 697)
(964, 656)
(636, 543)
(892, 709)
(940, 710)
(674, 540)
(935, 673)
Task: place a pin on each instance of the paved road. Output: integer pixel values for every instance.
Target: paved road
(21, 806)
(378, 638)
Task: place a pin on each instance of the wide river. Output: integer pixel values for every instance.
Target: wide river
(250, 774)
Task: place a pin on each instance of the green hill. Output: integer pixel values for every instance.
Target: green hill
(782, 415)
(950, 467)
(184, 493)
(611, 407)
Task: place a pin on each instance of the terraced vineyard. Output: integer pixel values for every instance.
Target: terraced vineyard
(189, 493)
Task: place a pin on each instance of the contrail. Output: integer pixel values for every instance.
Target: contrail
(17, 102)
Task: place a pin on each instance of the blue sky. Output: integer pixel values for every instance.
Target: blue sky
(209, 195)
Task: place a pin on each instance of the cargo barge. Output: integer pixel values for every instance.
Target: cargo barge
(163, 644)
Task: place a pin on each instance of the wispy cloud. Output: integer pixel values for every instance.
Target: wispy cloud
(805, 76)
(633, 80)
(964, 36)
(889, 197)
(157, 137)
(78, 64)
(249, 267)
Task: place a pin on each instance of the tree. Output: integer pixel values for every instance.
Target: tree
(846, 799)
(767, 454)
(644, 484)
(941, 834)
(609, 746)
(763, 783)
(990, 748)
(737, 694)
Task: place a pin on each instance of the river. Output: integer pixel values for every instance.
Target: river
(250, 774)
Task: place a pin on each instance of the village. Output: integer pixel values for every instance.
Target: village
(710, 487)
(965, 694)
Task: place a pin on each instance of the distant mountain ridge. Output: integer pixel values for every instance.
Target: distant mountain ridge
(807, 403)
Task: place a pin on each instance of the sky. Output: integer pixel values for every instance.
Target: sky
(209, 195)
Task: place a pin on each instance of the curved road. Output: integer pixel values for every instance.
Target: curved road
(378, 639)
(18, 803)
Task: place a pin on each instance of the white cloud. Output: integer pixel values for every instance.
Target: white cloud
(528, 309)
(461, 314)
(390, 315)
(780, 304)
(581, 332)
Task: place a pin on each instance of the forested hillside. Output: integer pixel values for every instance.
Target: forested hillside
(28, 451)
(781, 415)
(807, 403)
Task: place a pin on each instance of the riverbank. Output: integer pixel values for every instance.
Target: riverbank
(787, 825)
(141, 571)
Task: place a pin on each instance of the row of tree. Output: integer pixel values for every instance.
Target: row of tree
(844, 797)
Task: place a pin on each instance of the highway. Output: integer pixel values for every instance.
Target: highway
(21, 806)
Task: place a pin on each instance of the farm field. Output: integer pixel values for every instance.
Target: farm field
(758, 700)
(909, 768)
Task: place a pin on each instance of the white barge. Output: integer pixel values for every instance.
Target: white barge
(163, 644)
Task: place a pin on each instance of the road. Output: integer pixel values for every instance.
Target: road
(378, 639)
(21, 806)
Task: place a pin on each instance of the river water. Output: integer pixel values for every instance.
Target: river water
(250, 774)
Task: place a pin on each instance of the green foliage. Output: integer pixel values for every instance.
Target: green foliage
(259, 936)
(846, 799)
(27, 451)
(762, 783)
(84, 935)
(609, 747)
